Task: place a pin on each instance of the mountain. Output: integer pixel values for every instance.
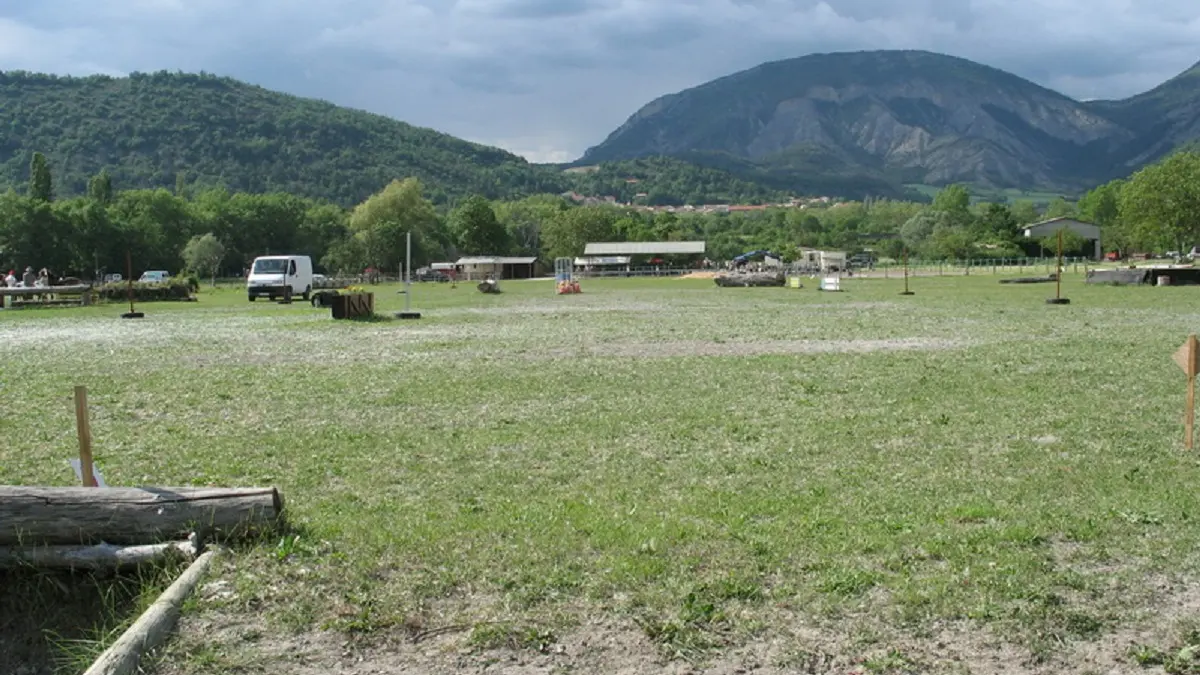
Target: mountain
(1166, 118)
(905, 117)
(147, 129)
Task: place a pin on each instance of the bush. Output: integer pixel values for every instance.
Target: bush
(174, 289)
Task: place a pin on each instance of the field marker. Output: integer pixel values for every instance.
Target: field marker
(131, 314)
(1058, 299)
(408, 313)
(906, 291)
(84, 427)
(1186, 358)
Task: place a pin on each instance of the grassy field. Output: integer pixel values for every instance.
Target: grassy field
(657, 475)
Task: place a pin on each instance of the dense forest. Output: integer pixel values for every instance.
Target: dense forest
(1156, 209)
(189, 133)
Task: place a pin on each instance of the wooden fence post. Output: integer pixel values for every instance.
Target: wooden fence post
(84, 427)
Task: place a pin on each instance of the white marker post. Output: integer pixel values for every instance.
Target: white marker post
(408, 313)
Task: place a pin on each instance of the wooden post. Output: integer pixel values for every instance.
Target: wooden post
(84, 427)
(1187, 359)
(1058, 273)
(1189, 419)
(1058, 299)
(129, 279)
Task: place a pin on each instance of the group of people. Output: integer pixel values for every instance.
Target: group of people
(28, 279)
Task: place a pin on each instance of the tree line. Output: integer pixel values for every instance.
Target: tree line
(1155, 209)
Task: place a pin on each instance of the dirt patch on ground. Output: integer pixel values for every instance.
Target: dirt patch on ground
(855, 646)
(700, 275)
(213, 640)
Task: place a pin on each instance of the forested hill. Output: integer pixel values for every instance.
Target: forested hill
(150, 129)
(156, 130)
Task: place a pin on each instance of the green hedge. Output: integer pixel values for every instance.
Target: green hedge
(173, 289)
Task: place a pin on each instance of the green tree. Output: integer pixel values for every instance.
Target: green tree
(41, 184)
(100, 189)
(951, 243)
(381, 222)
(476, 230)
(568, 234)
(1102, 205)
(204, 253)
(94, 240)
(919, 229)
(1060, 208)
(997, 222)
(524, 219)
(1024, 212)
(955, 202)
(1163, 200)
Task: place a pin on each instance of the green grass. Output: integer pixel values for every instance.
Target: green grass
(705, 465)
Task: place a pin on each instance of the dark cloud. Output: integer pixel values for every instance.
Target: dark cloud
(548, 78)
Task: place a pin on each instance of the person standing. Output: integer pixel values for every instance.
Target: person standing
(29, 278)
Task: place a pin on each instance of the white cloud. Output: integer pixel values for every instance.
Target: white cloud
(547, 78)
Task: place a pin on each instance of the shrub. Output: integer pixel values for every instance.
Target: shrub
(174, 289)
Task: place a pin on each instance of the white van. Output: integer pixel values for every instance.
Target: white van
(272, 275)
(153, 277)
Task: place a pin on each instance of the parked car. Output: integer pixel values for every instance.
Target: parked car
(426, 274)
(154, 277)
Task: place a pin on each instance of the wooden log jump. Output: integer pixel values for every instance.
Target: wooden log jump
(98, 557)
(353, 305)
(154, 626)
(73, 516)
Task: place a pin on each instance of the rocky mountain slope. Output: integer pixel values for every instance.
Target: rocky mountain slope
(911, 117)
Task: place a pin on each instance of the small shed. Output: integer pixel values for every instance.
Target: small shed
(499, 267)
(1049, 228)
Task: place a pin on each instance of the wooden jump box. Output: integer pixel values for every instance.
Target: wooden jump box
(46, 296)
(353, 305)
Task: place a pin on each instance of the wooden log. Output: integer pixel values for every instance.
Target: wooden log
(744, 279)
(98, 557)
(154, 625)
(35, 516)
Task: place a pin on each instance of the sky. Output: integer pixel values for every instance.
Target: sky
(547, 79)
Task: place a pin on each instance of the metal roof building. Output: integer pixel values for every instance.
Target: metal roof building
(495, 260)
(1051, 227)
(644, 248)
